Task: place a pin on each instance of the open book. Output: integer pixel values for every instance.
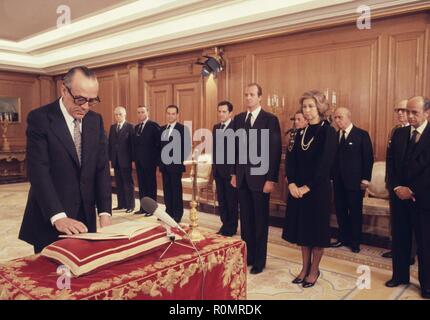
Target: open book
(124, 230)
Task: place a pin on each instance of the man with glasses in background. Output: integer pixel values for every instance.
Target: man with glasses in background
(67, 164)
(402, 118)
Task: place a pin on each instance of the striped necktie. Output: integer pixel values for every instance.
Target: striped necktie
(77, 138)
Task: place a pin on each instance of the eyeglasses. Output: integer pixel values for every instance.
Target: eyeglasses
(79, 100)
(396, 110)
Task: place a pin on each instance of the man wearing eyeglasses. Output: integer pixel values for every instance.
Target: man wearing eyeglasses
(408, 166)
(402, 118)
(67, 166)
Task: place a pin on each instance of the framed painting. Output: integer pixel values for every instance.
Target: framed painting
(10, 109)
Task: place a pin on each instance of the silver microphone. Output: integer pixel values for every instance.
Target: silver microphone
(150, 206)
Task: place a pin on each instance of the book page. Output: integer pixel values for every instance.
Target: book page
(124, 230)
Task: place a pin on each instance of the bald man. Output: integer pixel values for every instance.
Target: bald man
(408, 166)
(121, 155)
(352, 172)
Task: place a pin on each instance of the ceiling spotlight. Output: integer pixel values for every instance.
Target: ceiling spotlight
(212, 65)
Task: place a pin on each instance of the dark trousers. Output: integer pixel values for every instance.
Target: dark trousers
(124, 187)
(147, 180)
(254, 223)
(172, 189)
(414, 242)
(349, 213)
(406, 219)
(228, 204)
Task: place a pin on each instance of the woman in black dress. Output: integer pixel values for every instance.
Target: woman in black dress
(307, 221)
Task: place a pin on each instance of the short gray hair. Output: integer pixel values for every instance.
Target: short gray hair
(122, 109)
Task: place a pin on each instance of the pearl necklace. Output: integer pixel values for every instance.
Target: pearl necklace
(306, 146)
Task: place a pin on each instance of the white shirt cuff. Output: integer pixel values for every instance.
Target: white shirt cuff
(365, 182)
(58, 216)
(397, 188)
(104, 214)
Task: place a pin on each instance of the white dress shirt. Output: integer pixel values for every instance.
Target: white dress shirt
(69, 119)
(70, 124)
(226, 124)
(255, 114)
(120, 125)
(347, 131)
(420, 130)
(172, 126)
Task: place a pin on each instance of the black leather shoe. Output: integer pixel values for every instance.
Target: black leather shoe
(118, 208)
(255, 270)
(129, 210)
(337, 244)
(355, 249)
(425, 293)
(298, 280)
(388, 254)
(307, 284)
(392, 283)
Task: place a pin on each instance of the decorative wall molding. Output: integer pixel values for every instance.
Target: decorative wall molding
(181, 26)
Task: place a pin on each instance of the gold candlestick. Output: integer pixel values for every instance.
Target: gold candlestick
(194, 233)
(5, 143)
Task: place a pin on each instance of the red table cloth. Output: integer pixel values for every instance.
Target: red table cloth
(177, 275)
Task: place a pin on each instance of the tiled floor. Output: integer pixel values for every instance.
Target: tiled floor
(339, 268)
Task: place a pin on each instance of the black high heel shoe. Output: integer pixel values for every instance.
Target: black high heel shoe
(298, 280)
(307, 284)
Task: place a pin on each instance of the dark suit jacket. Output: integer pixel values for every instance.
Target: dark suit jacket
(146, 146)
(223, 170)
(58, 182)
(416, 174)
(185, 147)
(354, 160)
(121, 145)
(265, 120)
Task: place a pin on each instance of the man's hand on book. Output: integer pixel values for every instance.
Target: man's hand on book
(70, 226)
(105, 220)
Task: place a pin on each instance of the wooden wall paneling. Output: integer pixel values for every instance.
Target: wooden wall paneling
(235, 82)
(124, 90)
(210, 102)
(160, 96)
(134, 92)
(187, 97)
(427, 61)
(405, 68)
(108, 97)
(47, 90)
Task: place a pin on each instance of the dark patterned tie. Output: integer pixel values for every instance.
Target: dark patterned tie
(222, 126)
(77, 138)
(248, 121)
(139, 132)
(343, 138)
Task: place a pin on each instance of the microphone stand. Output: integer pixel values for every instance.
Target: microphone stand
(172, 239)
